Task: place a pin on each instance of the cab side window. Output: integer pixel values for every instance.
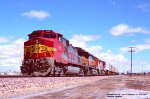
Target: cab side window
(64, 42)
(60, 39)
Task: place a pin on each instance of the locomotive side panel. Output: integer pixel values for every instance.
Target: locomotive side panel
(61, 53)
(72, 55)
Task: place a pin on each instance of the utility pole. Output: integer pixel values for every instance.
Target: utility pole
(131, 49)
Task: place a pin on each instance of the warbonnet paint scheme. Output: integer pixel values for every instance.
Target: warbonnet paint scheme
(49, 53)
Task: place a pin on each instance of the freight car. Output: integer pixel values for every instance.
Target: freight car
(49, 53)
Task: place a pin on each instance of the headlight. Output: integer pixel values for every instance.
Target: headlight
(36, 41)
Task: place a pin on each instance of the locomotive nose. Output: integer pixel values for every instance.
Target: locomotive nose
(38, 48)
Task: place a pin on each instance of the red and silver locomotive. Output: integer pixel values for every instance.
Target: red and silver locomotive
(49, 53)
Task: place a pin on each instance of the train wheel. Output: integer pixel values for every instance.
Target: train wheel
(53, 72)
(86, 71)
(91, 73)
(81, 72)
(59, 73)
(98, 73)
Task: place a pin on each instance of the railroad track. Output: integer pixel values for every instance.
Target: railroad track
(23, 76)
(14, 76)
(17, 76)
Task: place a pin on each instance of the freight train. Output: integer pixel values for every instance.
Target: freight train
(48, 53)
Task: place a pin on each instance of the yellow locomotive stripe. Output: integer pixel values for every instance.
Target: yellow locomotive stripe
(38, 48)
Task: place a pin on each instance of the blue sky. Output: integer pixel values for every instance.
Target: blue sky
(106, 28)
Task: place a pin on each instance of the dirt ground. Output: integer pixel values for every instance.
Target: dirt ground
(96, 90)
(100, 89)
(11, 87)
(141, 82)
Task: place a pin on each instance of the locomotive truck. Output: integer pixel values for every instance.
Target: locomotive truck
(48, 53)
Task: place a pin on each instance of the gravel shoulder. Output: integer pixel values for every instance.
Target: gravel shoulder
(95, 90)
(135, 87)
(114, 87)
(27, 86)
(97, 87)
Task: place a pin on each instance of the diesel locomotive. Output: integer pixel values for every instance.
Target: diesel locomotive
(47, 53)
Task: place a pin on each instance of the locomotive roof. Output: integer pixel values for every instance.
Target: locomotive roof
(81, 49)
(44, 31)
(87, 53)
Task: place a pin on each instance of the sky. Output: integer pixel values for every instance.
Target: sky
(105, 28)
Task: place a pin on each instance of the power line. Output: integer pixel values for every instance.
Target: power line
(131, 49)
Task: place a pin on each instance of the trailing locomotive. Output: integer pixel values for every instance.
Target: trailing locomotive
(49, 53)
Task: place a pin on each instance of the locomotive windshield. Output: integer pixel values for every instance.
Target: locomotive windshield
(49, 35)
(34, 35)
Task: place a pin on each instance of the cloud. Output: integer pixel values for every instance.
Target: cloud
(95, 50)
(85, 37)
(124, 49)
(76, 43)
(4, 40)
(119, 61)
(138, 48)
(11, 53)
(145, 7)
(81, 40)
(142, 47)
(110, 57)
(122, 29)
(36, 14)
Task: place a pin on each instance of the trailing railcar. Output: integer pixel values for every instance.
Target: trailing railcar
(48, 53)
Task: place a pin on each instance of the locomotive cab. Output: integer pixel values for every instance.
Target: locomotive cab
(40, 44)
(40, 52)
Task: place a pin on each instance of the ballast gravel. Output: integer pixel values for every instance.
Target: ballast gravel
(17, 87)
